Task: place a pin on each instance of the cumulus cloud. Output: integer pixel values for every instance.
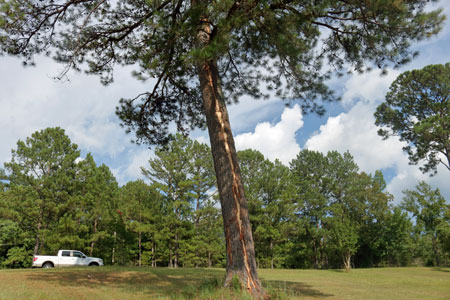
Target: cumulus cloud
(275, 141)
(355, 131)
(370, 87)
(408, 177)
(32, 101)
(139, 159)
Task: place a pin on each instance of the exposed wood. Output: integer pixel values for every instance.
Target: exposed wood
(241, 262)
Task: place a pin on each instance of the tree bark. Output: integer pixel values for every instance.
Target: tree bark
(271, 255)
(239, 241)
(347, 261)
(435, 250)
(153, 256)
(140, 248)
(93, 241)
(37, 240)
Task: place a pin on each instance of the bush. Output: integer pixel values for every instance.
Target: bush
(18, 258)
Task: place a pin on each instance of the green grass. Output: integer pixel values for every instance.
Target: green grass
(172, 284)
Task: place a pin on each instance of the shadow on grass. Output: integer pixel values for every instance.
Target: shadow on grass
(337, 270)
(172, 283)
(150, 281)
(297, 289)
(446, 270)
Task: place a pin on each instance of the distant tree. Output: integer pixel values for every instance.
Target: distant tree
(417, 109)
(96, 202)
(430, 209)
(41, 175)
(342, 221)
(444, 234)
(309, 176)
(207, 243)
(3, 181)
(10, 241)
(141, 206)
(205, 54)
(370, 210)
(182, 177)
(271, 208)
(395, 241)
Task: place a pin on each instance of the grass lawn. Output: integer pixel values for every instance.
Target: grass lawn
(124, 283)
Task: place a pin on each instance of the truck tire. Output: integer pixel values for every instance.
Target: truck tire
(94, 264)
(47, 265)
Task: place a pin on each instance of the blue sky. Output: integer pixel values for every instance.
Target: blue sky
(31, 100)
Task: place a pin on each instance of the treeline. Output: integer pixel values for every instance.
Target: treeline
(320, 212)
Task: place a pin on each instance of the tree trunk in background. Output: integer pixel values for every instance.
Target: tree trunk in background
(271, 255)
(170, 256)
(93, 241)
(153, 256)
(239, 241)
(140, 248)
(347, 261)
(114, 248)
(36, 242)
(435, 250)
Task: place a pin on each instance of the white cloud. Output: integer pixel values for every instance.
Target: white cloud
(275, 141)
(203, 139)
(408, 176)
(139, 159)
(249, 111)
(369, 87)
(81, 106)
(356, 132)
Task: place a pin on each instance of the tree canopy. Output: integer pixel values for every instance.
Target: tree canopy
(417, 109)
(331, 216)
(281, 43)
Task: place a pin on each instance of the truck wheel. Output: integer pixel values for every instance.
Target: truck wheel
(93, 265)
(47, 265)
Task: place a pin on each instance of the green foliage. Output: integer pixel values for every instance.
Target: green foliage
(41, 177)
(18, 258)
(417, 109)
(319, 213)
(251, 42)
(183, 174)
(55, 200)
(395, 243)
(268, 193)
(430, 210)
(342, 211)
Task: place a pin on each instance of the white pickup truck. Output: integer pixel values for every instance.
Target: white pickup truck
(66, 258)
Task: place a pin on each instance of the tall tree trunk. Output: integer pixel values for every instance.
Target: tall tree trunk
(170, 256)
(347, 261)
(271, 254)
(114, 248)
(209, 259)
(435, 249)
(316, 255)
(176, 248)
(239, 241)
(140, 248)
(153, 256)
(37, 240)
(93, 241)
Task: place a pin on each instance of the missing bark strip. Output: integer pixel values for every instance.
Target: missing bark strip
(251, 284)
